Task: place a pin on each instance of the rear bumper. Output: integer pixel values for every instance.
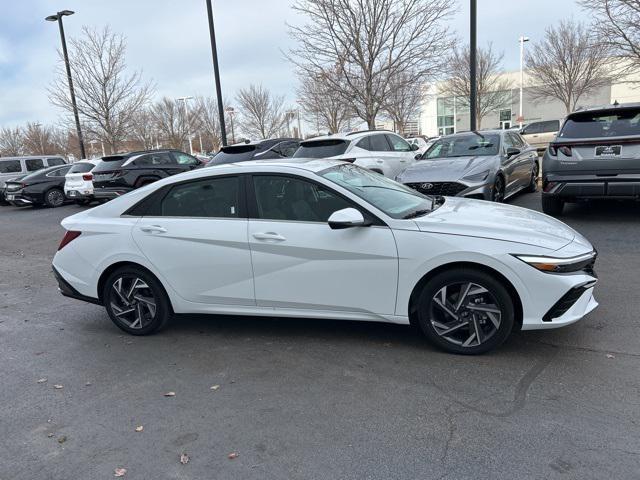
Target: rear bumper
(17, 198)
(109, 193)
(78, 193)
(68, 291)
(592, 186)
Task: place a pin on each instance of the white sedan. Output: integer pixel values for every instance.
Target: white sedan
(325, 239)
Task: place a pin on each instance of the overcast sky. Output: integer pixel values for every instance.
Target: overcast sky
(171, 45)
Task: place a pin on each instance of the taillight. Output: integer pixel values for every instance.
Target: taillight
(69, 236)
(553, 150)
(547, 187)
(566, 151)
(87, 177)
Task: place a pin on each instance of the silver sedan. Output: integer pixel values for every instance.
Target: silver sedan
(488, 165)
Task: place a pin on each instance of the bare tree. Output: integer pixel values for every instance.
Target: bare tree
(403, 102)
(492, 87)
(567, 65)
(206, 109)
(40, 139)
(143, 129)
(322, 105)
(11, 141)
(368, 43)
(261, 114)
(107, 96)
(617, 26)
(171, 121)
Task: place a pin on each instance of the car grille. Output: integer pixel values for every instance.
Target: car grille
(450, 189)
(564, 304)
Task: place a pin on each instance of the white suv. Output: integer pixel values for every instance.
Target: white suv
(381, 151)
(78, 185)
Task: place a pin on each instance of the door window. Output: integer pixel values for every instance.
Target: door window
(508, 142)
(551, 126)
(52, 162)
(517, 140)
(398, 144)
(34, 164)
(10, 166)
(532, 129)
(154, 159)
(212, 197)
(289, 198)
(364, 143)
(378, 143)
(60, 172)
(184, 159)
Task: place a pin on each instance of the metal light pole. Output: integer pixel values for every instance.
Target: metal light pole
(58, 18)
(186, 114)
(473, 94)
(522, 40)
(231, 111)
(216, 73)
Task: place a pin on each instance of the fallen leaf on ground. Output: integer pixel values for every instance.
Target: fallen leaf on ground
(62, 439)
(42, 380)
(215, 387)
(170, 394)
(139, 428)
(58, 387)
(609, 355)
(88, 384)
(184, 459)
(233, 455)
(50, 435)
(119, 472)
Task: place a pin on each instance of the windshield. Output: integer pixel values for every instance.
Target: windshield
(233, 154)
(464, 146)
(321, 148)
(391, 197)
(618, 123)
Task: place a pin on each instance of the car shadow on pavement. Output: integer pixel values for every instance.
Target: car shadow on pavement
(602, 211)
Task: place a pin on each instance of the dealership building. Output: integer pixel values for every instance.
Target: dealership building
(444, 115)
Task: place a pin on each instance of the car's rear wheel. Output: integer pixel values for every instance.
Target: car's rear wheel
(54, 198)
(497, 192)
(533, 182)
(465, 311)
(83, 202)
(552, 205)
(136, 301)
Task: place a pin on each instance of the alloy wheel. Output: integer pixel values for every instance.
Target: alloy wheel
(465, 314)
(132, 301)
(55, 198)
(497, 193)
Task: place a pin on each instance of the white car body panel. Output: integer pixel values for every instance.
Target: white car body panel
(360, 273)
(75, 181)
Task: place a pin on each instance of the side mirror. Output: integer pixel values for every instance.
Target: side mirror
(414, 147)
(511, 152)
(418, 156)
(347, 218)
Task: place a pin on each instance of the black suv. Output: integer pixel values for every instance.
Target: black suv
(595, 155)
(262, 150)
(118, 174)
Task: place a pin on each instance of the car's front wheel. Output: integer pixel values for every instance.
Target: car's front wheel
(136, 301)
(466, 311)
(497, 191)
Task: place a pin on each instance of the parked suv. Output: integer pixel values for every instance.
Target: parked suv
(118, 174)
(12, 168)
(78, 185)
(596, 155)
(378, 150)
(540, 134)
(271, 148)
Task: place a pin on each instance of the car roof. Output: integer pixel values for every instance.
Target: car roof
(495, 131)
(32, 157)
(347, 136)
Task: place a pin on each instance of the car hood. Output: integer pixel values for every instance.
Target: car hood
(445, 169)
(497, 221)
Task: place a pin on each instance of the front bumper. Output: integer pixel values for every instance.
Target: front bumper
(616, 186)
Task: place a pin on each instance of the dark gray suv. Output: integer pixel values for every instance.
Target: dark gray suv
(595, 155)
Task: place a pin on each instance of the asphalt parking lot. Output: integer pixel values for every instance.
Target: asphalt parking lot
(311, 399)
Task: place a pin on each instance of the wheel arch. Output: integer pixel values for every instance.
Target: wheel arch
(146, 180)
(115, 266)
(415, 292)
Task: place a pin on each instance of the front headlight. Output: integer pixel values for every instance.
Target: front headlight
(560, 265)
(477, 177)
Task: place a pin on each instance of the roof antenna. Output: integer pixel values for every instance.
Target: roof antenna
(615, 104)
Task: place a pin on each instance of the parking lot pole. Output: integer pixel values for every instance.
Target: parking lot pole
(216, 73)
(473, 94)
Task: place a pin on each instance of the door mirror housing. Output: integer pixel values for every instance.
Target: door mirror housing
(419, 156)
(414, 147)
(511, 152)
(347, 218)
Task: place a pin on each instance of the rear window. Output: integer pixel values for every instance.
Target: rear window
(321, 148)
(233, 153)
(55, 161)
(81, 167)
(612, 123)
(10, 166)
(110, 163)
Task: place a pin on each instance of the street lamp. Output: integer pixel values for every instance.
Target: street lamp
(522, 39)
(473, 94)
(58, 18)
(186, 114)
(216, 73)
(231, 111)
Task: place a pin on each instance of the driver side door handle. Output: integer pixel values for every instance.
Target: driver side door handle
(153, 229)
(269, 236)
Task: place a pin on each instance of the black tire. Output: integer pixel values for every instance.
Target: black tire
(142, 319)
(552, 205)
(533, 183)
(54, 197)
(83, 202)
(497, 191)
(468, 317)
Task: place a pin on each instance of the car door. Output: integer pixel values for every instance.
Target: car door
(509, 164)
(299, 262)
(524, 160)
(195, 234)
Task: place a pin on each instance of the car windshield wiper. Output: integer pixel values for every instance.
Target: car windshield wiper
(417, 213)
